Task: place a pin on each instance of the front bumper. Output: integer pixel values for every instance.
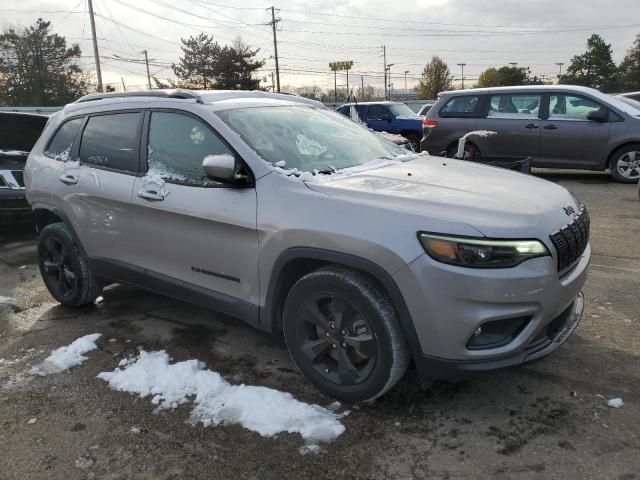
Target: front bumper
(447, 304)
(13, 202)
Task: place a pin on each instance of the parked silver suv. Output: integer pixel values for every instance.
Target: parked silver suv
(291, 217)
(560, 126)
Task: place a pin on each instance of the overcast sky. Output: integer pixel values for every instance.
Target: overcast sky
(311, 33)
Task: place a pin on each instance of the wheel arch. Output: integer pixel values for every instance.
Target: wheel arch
(46, 215)
(295, 262)
(618, 147)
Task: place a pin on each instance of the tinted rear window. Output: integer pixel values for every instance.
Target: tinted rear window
(465, 105)
(20, 132)
(111, 141)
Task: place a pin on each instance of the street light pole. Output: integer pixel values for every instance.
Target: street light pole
(388, 79)
(560, 64)
(406, 90)
(461, 65)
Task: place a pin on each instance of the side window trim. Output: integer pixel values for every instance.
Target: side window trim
(74, 143)
(144, 162)
(76, 147)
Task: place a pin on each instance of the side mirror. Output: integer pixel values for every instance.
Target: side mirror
(600, 116)
(221, 168)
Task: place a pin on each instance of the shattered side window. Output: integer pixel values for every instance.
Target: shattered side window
(111, 141)
(178, 145)
(60, 146)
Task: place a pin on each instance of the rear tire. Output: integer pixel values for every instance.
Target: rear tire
(64, 269)
(342, 333)
(625, 164)
(471, 152)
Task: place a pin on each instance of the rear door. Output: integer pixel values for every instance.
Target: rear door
(516, 119)
(569, 138)
(98, 185)
(191, 230)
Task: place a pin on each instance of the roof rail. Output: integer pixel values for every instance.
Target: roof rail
(167, 93)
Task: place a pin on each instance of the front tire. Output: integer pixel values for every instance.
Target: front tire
(64, 269)
(625, 164)
(342, 333)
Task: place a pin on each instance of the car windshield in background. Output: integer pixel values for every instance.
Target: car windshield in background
(400, 109)
(308, 138)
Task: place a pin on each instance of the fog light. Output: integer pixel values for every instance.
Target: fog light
(496, 333)
(478, 332)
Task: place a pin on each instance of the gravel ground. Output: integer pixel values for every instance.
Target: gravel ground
(545, 420)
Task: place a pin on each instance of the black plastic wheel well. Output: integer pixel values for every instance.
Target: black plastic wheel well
(294, 271)
(44, 217)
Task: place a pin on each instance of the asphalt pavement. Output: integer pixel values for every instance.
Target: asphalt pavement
(545, 420)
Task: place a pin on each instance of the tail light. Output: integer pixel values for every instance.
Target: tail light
(429, 123)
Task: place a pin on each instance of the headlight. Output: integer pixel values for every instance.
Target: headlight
(479, 252)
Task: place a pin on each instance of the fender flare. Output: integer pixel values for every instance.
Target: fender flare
(269, 313)
(58, 212)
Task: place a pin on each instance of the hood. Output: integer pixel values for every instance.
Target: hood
(496, 202)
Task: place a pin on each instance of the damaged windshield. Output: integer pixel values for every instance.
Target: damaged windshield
(307, 138)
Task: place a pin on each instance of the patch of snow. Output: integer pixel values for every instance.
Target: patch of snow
(318, 177)
(98, 300)
(307, 449)
(615, 402)
(94, 174)
(31, 421)
(135, 430)
(480, 133)
(113, 340)
(13, 153)
(280, 164)
(66, 357)
(260, 409)
(6, 300)
(84, 462)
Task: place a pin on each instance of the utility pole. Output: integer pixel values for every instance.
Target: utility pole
(273, 23)
(406, 90)
(273, 85)
(388, 77)
(362, 86)
(384, 54)
(146, 60)
(560, 64)
(95, 47)
(335, 86)
(461, 65)
(124, 87)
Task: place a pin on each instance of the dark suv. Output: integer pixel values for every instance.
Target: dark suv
(558, 126)
(18, 134)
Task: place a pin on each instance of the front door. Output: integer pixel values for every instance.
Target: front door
(569, 138)
(380, 118)
(515, 119)
(192, 230)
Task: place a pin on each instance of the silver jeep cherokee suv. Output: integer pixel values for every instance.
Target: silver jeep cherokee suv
(277, 211)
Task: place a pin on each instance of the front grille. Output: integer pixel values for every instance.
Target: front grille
(572, 239)
(19, 176)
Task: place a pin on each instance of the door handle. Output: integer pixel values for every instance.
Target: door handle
(532, 126)
(550, 127)
(68, 179)
(151, 195)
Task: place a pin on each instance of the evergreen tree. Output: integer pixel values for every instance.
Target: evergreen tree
(630, 68)
(37, 68)
(594, 68)
(207, 65)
